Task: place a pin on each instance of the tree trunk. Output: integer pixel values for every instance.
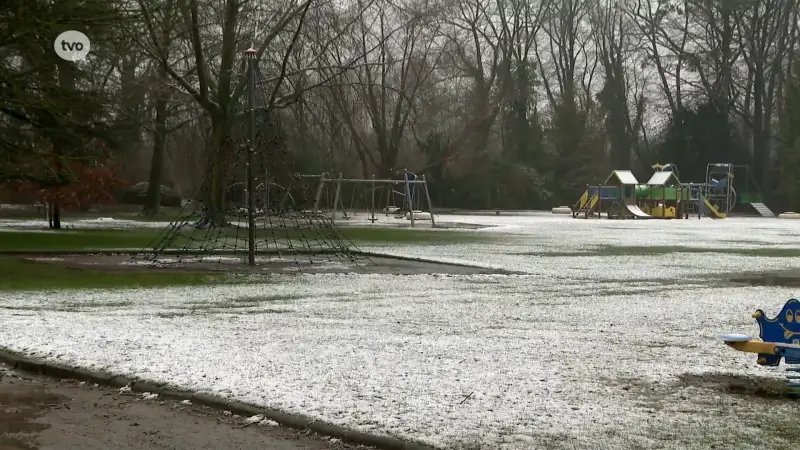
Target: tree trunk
(55, 216)
(130, 124)
(153, 196)
(214, 197)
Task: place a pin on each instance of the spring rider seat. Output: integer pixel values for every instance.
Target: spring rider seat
(779, 339)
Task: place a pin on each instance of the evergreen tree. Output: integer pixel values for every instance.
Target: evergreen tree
(698, 136)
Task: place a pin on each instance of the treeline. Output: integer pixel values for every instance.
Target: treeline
(502, 103)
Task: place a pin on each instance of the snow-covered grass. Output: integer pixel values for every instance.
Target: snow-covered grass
(82, 224)
(592, 351)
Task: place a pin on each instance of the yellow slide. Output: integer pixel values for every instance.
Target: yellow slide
(594, 200)
(713, 212)
(585, 199)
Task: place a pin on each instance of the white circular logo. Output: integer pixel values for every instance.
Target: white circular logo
(72, 46)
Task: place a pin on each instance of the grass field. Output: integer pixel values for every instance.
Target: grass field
(120, 211)
(26, 275)
(607, 341)
(37, 275)
(139, 238)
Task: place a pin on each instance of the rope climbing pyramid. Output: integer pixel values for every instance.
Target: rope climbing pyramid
(299, 236)
(253, 206)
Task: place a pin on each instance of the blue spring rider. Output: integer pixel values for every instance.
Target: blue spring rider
(779, 339)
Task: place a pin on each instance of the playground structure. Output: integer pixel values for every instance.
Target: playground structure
(261, 213)
(664, 196)
(260, 225)
(340, 198)
(779, 338)
(375, 191)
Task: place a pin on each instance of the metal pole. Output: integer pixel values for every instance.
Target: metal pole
(372, 219)
(389, 198)
(370, 180)
(428, 198)
(729, 199)
(318, 196)
(336, 194)
(408, 197)
(251, 194)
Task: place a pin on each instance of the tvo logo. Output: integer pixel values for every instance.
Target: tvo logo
(72, 46)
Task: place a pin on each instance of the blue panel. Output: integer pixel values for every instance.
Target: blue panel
(720, 184)
(609, 193)
(791, 354)
(783, 328)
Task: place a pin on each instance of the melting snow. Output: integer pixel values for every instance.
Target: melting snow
(254, 419)
(582, 351)
(98, 223)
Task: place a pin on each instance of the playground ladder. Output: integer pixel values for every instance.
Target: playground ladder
(587, 203)
(763, 210)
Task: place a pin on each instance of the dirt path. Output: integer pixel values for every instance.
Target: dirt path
(38, 413)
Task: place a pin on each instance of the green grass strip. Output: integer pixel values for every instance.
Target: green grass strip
(137, 238)
(27, 275)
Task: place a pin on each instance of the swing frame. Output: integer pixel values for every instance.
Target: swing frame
(325, 179)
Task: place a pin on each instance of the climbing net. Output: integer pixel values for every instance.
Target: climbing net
(286, 227)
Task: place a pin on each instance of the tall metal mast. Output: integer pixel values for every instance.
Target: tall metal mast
(251, 195)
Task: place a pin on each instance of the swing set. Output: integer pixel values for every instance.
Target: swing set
(372, 193)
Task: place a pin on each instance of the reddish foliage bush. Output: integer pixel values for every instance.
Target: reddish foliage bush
(73, 185)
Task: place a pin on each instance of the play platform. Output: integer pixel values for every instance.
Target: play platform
(664, 196)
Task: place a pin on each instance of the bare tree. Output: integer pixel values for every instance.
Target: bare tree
(617, 55)
(662, 28)
(478, 53)
(166, 16)
(764, 39)
(569, 66)
(399, 56)
(210, 76)
(521, 26)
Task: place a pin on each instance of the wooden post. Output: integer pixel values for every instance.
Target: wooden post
(408, 197)
(318, 197)
(336, 198)
(428, 198)
(687, 204)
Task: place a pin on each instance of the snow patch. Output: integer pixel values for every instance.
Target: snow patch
(254, 419)
(571, 351)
